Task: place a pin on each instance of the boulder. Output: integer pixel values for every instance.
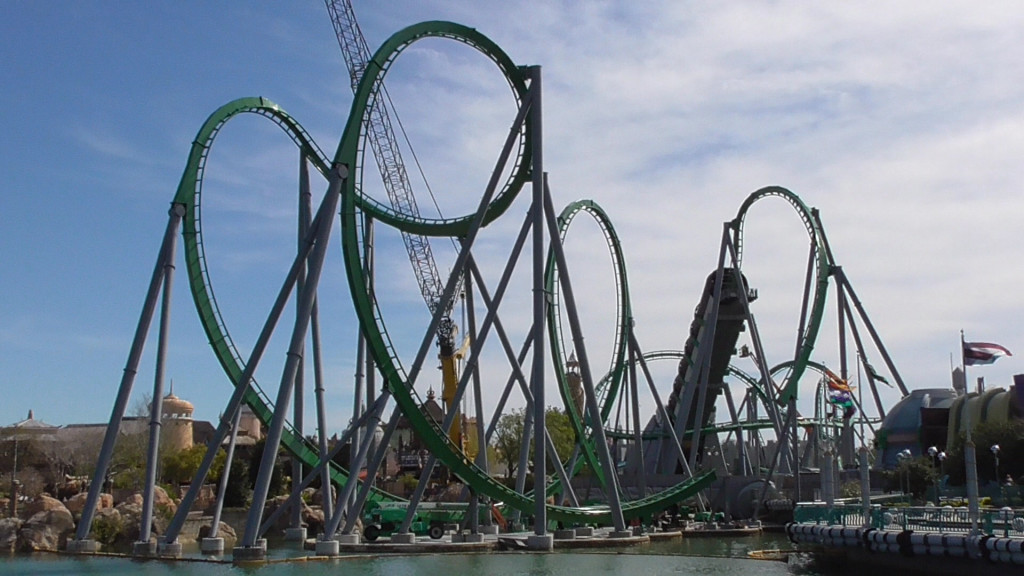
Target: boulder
(9, 528)
(76, 504)
(271, 506)
(163, 505)
(46, 530)
(131, 516)
(224, 530)
(43, 503)
(317, 499)
(313, 518)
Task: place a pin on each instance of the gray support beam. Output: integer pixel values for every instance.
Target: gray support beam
(321, 411)
(357, 404)
(586, 377)
(517, 376)
(707, 343)
(428, 468)
(459, 266)
(156, 406)
(370, 369)
(808, 277)
(858, 342)
(371, 469)
(295, 531)
(759, 356)
(222, 488)
(780, 445)
(539, 308)
(323, 464)
(795, 450)
(474, 370)
(295, 349)
(662, 411)
(128, 378)
(740, 440)
(346, 496)
(873, 333)
(325, 212)
(865, 486)
(491, 319)
(637, 430)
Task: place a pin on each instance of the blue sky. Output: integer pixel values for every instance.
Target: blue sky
(901, 123)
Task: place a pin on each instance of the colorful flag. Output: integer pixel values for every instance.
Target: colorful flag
(835, 382)
(983, 353)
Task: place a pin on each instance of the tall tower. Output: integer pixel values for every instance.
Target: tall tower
(176, 424)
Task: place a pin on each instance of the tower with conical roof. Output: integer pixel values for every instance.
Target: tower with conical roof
(176, 423)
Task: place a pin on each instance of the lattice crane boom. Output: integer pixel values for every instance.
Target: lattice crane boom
(381, 137)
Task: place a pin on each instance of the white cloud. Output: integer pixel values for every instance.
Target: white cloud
(901, 122)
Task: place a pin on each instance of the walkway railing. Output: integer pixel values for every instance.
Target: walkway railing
(1006, 522)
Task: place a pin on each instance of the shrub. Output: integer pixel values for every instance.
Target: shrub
(106, 529)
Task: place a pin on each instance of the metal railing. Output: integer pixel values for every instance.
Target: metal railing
(1005, 522)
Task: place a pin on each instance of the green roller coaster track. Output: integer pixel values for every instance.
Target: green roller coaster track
(350, 153)
(608, 388)
(379, 343)
(189, 194)
(812, 323)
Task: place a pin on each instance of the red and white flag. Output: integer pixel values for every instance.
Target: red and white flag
(983, 353)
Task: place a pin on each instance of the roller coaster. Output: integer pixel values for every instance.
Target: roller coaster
(634, 467)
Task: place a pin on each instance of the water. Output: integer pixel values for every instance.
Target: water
(705, 556)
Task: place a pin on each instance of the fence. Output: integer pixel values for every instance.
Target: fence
(1005, 522)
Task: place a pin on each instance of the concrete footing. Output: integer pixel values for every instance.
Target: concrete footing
(584, 531)
(327, 548)
(248, 553)
(489, 529)
(172, 549)
(144, 548)
(295, 534)
(540, 542)
(211, 546)
(352, 538)
(471, 538)
(566, 534)
(85, 546)
(621, 534)
(407, 538)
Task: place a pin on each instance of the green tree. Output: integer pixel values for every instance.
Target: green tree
(1010, 438)
(560, 429)
(278, 479)
(128, 463)
(181, 466)
(508, 437)
(920, 474)
(238, 490)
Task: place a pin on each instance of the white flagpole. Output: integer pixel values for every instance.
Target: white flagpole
(963, 360)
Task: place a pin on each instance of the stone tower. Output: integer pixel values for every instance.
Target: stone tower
(176, 424)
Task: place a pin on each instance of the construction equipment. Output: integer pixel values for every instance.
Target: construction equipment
(381, 137)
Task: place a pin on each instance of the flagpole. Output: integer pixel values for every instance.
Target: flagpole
(963, 360)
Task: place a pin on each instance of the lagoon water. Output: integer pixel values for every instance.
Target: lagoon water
(705, 557)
